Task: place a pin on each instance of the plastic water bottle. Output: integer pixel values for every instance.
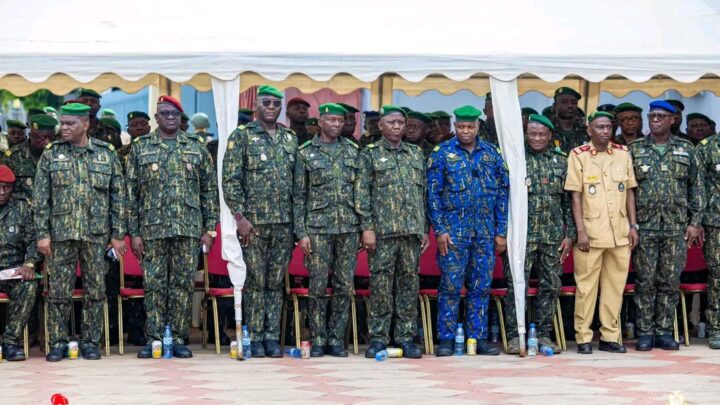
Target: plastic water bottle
(167, 343)
(294, 352)
(382, 355)
(546, 350)
(247, 353)
(532, 341)
(459, 340)
(494, 328)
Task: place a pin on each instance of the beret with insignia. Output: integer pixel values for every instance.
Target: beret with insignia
(15, 124)
(568, 91)
(170, 100)
(599, 114)
(43, 121)
(467, 113)
(332, 109)
(349, 108)
(266, 90)
(392, 109)
(137, 114)
(88, 93)
(542, 120)
(75, 109)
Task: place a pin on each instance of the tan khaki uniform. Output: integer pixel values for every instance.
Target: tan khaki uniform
(603, 178)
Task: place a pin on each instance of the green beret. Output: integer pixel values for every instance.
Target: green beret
(137, 114)
(420, 116)
(184, 117)
(406, 109)
(15, 124)
(622, 107)
(350, 109)
(332, 109)
(247, 111)
(547, 111)
(269, 91)
(311, 121)
(541, 119)
(88, 93)
(698, 116)
(110, 122)
(49, 109)
(441, 115)
(391, 109)
(568, 91)
(467, 113)
(75, 109)
(598, 114)
(35, 111)
(106, 112)
(43, 121)
(527, 111)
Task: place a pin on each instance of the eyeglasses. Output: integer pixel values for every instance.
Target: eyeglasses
(168, 114)
(657, 117)
(267, 102)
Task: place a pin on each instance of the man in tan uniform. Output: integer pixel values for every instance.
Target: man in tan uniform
(601, 178)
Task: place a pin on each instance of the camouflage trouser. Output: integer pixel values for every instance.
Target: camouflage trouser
(659, 261)
(712, 258)
(395, 261)
(22, 301)
(469, 263)
(267, 258)
(61, 269)
(169, 269)
(546, 260)
(339, 254)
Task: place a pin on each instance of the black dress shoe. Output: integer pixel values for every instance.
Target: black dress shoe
(14, 353)
(181, 352)
(317, 351)
(145, 352)
(272, 349)
(257, 349)
(373, 349)
(645, 343)
(584, 348)
(445, 348)
(410, 351)
(56, 353)
(136, 340)
(612, 347)
(666, 342)
(90, 352)
(484, 348)
(336, 351)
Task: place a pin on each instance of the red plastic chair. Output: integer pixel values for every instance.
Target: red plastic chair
(695, 262)
(129, 266)
(214, 264)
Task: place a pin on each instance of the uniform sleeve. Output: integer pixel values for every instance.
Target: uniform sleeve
(573, 182)
(133, 193)
(31, 253)
(233, 176)
(208, 191)
(41, 197)
(632, 181)
(364, 190)
(300, 197)
(435, 185)
(696, 189)
(568, 220)
(503, 196)
(118, 199)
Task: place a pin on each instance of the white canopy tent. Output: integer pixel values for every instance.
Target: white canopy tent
(411, 45)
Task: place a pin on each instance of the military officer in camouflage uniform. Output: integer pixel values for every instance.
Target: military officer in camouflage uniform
(91, 98)
(551, 230)
(390, 192)
(350, 121)
(415, 131)
(23, 158)
(468, 201)
(79, 206)
(15, 133)
(699, 127)
(327, 227)
(257, 181)
(708, 152)
(372, 132)
(670, 202)
(17, 251)
(172, 209)
(569, 130)
(629, 119)
(487, 132)
(444, 127)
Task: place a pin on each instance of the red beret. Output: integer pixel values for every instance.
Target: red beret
(170, 100)
(6, 175)
(297, 100)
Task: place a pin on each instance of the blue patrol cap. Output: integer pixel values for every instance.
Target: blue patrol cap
(662, 105)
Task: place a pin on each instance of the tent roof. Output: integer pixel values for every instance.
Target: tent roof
(550, 39)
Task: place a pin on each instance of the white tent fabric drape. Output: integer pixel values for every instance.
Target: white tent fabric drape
(508, 122)
(226, 95)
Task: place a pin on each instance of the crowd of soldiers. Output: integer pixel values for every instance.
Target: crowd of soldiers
(69, 197)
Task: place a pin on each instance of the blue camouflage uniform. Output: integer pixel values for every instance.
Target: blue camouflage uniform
(468, 199)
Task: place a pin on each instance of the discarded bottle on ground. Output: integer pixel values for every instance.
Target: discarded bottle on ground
(532, 341)
(382, 355)
(167, 343)
(247, 353)
(547, 350)
(294, 352)
(459, 340)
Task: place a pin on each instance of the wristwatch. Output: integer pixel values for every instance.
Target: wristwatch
(212, 233)
(635, 226)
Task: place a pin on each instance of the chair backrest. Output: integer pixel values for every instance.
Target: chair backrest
(215, 263)
(569, 264)
(130, 263)
(297, 264)
(362, 268)
(695, 260)
(498, 273)
(428, 260)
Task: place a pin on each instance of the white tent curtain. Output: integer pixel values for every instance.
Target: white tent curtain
(226, 95)
(508, 122)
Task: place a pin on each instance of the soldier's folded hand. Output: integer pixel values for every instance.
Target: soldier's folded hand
(304, 244)
(44, 246)
(692, 236)
(246, 230)
(138, 247)
(443, 243)
(369, 242)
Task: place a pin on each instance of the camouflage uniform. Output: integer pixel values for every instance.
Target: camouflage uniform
(23, 164)
(549, 222)
(172, 201)
(17, 247)
(324, 211)
(488, 133)
(79, 202)
(708, 152)
(467, 199)
(670, 196)
(367, 138)
(257, 182)
(567, 140)
(390, 192)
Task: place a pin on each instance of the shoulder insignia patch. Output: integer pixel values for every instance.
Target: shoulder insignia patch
(242, 127)
(8, 153)
(49, 145)
(704, 141)
(559, 151)
(305, 144)
(618, 146)
(436, 148)
(111, 147)
(355, 145)
(581, 149)
(372, 145)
